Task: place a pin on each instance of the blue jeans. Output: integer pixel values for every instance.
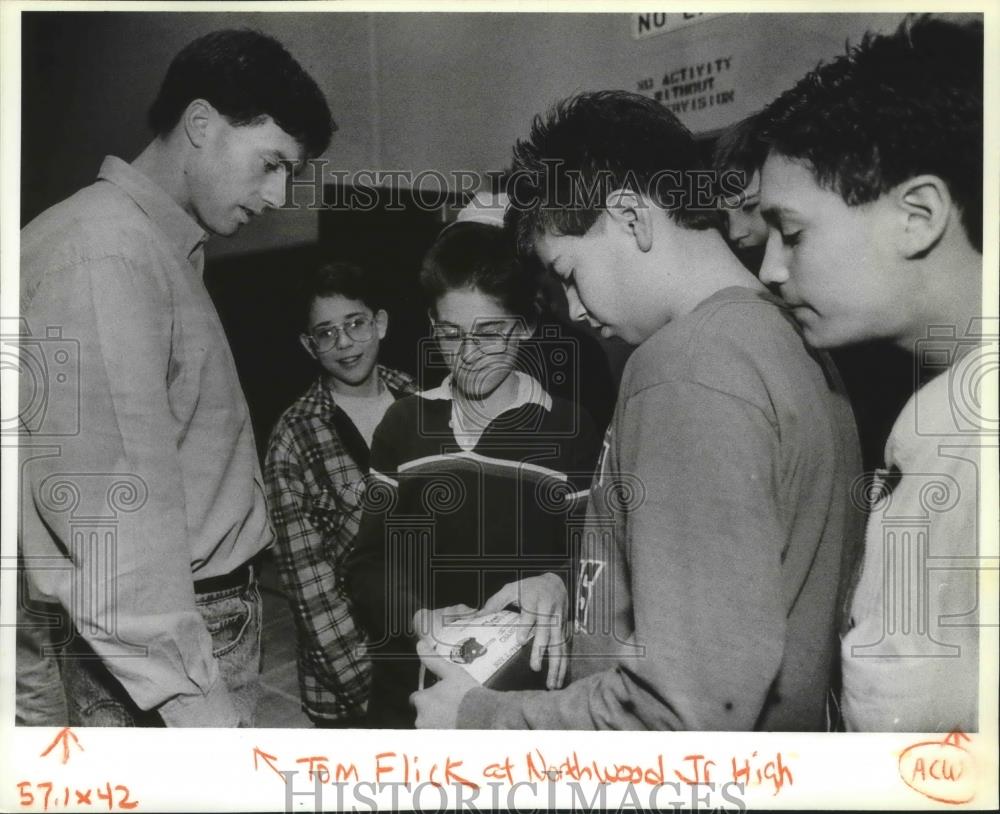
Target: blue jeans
(41, 700)
(233, 618)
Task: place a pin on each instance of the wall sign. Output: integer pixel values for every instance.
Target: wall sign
(652, 24)
(684, 89)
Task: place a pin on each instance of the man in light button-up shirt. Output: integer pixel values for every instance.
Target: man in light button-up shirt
(142, 500)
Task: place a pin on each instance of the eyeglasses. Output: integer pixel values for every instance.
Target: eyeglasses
(327, 337)
(452, 338)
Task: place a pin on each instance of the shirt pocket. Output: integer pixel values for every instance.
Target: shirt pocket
(326, 512)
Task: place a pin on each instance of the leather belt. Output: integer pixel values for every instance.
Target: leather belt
(240, 577)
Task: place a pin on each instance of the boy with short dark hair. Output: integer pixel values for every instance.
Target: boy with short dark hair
(717, 523)
(873, 192)
(876, 377)
(317, 460)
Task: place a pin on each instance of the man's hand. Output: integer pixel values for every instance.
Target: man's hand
(437, 706)
(544, 606)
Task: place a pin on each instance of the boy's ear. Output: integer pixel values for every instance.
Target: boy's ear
(925, 205)
(526, 329)
(197, 121)
(381, 323)
(631, 211)
(304, 340)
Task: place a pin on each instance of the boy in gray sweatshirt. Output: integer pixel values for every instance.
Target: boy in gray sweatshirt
(720, 516)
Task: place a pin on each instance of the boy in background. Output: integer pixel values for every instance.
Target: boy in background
(317, 460)
(873, 192)
(737, 157)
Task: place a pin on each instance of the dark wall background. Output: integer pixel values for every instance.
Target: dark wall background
(56, 160)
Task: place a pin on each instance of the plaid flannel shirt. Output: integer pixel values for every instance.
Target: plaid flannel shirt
(315, 469)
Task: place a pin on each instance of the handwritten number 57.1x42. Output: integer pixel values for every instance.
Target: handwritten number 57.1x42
(50, 797)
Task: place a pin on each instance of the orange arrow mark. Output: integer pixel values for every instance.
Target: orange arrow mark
(266, 758)
(64, 737)
(956, 736)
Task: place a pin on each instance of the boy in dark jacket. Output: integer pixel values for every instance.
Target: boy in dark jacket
(474, 482)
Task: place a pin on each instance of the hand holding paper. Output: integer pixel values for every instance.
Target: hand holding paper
(544, 606)
(428, 624)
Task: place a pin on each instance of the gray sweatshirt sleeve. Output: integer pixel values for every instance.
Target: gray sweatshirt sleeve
(703, 556)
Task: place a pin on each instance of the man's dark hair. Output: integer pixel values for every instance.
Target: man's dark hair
(245, 75)
(591, 144)
(347, 280)
(480, 256)
(740, 148)
(891, 108)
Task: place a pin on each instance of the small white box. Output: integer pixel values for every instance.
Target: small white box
(486, 647)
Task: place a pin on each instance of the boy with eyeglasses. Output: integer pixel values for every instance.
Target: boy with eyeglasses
(317, 460)
(474, 483)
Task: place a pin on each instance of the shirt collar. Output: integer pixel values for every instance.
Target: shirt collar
(180, 228)
(325, 398)
(529, 391)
